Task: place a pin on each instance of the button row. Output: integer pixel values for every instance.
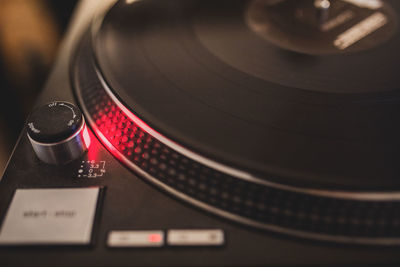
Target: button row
(195, 237)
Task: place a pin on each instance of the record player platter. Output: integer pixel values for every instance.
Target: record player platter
(282, 115)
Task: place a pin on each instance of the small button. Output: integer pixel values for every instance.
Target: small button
(196, 237)
(135, 239)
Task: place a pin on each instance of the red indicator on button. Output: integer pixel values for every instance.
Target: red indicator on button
(155, 238)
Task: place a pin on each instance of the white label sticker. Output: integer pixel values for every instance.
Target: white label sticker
(370, 4)
(50, 216)
(360, 30)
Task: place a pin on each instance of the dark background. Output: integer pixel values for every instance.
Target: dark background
(30, 33)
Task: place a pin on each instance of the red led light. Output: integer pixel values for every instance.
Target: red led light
(122, 132)
(155, 238)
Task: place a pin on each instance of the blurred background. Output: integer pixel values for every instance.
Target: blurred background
(30, 33)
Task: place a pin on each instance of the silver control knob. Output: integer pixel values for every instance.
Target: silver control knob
(58, 133)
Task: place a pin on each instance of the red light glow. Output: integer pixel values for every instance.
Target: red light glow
(155, 238)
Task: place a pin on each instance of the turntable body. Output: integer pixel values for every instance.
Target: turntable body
(203, 155)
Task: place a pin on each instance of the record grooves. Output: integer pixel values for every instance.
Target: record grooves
(186, 74)
(318, 207)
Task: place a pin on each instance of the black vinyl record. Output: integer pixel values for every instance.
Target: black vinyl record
(196, 72)
(280, 115)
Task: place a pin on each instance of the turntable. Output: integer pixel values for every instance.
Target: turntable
(187, 132)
